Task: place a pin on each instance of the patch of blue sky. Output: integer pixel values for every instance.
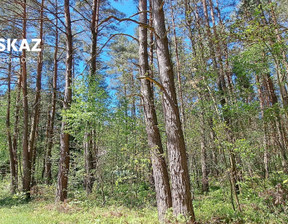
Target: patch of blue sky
(129, 8)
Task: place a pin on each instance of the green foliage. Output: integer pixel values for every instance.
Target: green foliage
(244, 149)
(4, 153)
(256, 200)
(88, 107)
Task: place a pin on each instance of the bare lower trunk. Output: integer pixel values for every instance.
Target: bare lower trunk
(33, 166)
(89, 162)
(203, 144)
(265, 140)
(281, 139)
(16, 126)
(215, 155)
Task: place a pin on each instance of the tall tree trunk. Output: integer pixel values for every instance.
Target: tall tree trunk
(218, 65)
(203, 145)
(265, 140)
(94, 32)
(281, 140)
(62, 185)
(151, 45)
(219, 53)
(211, 46)
(178, 70)
(12, 152)
(16, 124)
(279, 59)
(180, 181)
(89, 140)
(51, 119)
(159, 167)
(89, 161)
(34, 157)
(26, 151)
(36, 106)
(223, 42)
(215, 166)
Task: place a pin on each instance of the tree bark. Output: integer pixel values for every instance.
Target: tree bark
(36, 106)
(89, 140)
(12, 152)
(27, 158)
(62, 185)
(178, 70)
(159, 167)
(94, 32)
(51, 119)
(16, 124)
(278, 58)
(281, 139)
(180, 181)
(265, 140)
(203, 145)
(89, 162)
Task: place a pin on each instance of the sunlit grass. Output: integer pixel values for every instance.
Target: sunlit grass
(215, 207)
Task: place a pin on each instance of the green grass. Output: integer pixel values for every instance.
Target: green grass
(42, 212)
(215, 207)
(43, 209)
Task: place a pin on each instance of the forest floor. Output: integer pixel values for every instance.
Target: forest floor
(215, 207)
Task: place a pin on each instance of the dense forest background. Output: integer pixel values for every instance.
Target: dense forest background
(181, 106)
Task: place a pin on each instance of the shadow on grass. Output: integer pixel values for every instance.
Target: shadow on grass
(214, 188)
(12, 200)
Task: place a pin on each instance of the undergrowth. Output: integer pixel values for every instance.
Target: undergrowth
(261, 202)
